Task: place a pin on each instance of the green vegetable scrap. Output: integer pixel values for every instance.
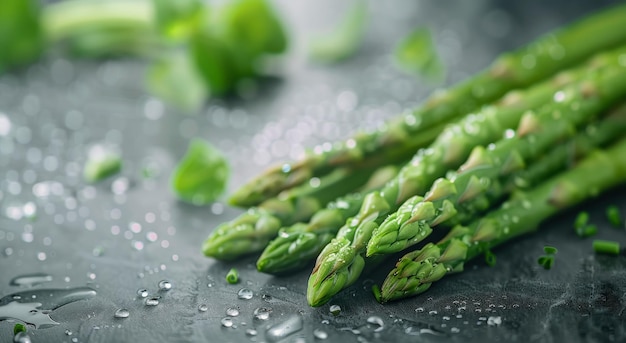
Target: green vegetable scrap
(613, 215)
(233, 276)
(19, 327)
(101, 163)
(201, 175)
(606, 247)
(416, 54)
(21, 38)
(344, 40)
(376, 292)
(490, 258)
(581, 226)
(547, 260)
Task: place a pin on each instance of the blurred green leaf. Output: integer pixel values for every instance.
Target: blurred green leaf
(101, 163)
(344, 40)
(175, 79)
(21, 40)
(214, 60)
(177, 19)
(201, 175)
(416, 54)
(254, 27)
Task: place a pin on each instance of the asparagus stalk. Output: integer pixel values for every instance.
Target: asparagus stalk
(478, 183)
(299, 244)
(342, 260)
(416, 271)
(252, 230)
(548, 54)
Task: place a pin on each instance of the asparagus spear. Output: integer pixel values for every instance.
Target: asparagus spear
(299, 244)
(252, 230)
(344, 255)
(548, 54)
(416, 271)
(458, 198)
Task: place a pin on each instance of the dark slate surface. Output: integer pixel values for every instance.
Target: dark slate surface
(128, 233)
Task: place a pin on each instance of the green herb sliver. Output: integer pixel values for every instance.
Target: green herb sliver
(490, 258)
(547, 260)
(613, 215)
(344, 40)
(201, 175)
(376, 292)
(19, 327)
(233, 276)
(606, 247)
(101, 163)
(416, 54)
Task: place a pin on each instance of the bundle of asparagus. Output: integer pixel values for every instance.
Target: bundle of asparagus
(502, 132)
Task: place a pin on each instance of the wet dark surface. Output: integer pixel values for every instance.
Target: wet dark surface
(128, 232)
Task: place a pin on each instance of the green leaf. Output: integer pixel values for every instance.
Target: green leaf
(254, 27)
(201, 175)
(549, 250)
(101, 163)
(546, 261)
(416, 54)
(21, 39)
(177, 19)
(343, 41)
(175, 79)
(215, 62)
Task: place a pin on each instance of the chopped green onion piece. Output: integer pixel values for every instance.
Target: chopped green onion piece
(612, 213)
(416, 54)
(546, 261)
(201, 175)
(581, 220)
(101, 163)
(344, 40)
(550, 250)
(490, 258)
(376, 291)
(606, 247)
(233, 276)
(586, 231)
(19, 327)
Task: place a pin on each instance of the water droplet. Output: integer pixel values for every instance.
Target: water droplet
(142, 293)
(284, 329)
(251, 332)
(262, 313)
(164, 285)
(376, 321)
(419, 310)
(432, 313)
(203, 308)
(21, 307)
(319, 334)
(30, 280)
(22, 337)
(231, 311)
(335, 310)
(121, 313)
(245, 294)
(455, 330)
(227, 322)
(494, 321)
(152, 301)
(68, 332)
